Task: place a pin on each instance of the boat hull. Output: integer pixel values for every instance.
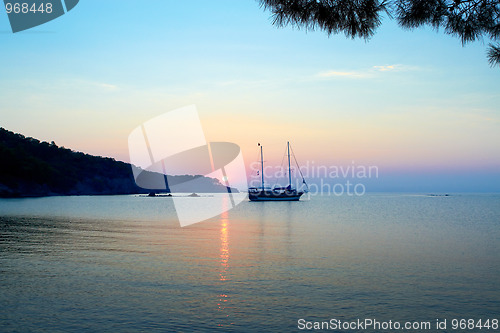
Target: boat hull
(267, 196)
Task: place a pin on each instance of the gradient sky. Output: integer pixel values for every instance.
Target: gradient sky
(412, 103)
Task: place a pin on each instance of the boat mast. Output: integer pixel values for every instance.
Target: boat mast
(289, 174)
(262, 166)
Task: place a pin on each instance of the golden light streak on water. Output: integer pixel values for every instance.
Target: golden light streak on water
(224, 258)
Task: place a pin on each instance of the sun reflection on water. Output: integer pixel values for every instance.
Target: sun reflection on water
(224, 248)
(223, 297)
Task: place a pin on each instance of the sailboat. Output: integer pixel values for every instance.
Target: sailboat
(287, 193)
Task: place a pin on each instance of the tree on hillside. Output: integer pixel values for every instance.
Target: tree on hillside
(468, 20)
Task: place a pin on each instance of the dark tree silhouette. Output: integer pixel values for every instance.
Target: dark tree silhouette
(469, 20)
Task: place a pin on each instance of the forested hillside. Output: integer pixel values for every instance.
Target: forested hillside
(30, 168)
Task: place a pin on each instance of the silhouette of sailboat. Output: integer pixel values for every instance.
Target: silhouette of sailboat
(287, 193)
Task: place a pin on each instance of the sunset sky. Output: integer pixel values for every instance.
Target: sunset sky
(417, 104)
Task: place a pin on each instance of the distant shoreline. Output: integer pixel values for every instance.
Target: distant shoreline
(32, 168)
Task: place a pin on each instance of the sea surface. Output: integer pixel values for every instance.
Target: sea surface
(123, 263)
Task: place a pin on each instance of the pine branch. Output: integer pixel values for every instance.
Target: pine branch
(494, 55)
(469, 20)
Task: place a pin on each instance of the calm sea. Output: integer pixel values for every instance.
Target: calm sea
(122, 263)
